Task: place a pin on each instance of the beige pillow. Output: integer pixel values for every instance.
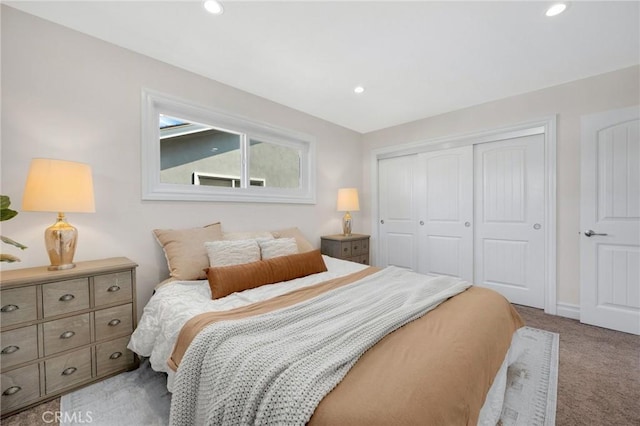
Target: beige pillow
(277, 247)
(232, 252)
(185, 252)
(303, 245)
(251, 235)
(225, 280)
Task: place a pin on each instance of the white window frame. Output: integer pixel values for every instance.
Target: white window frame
(155, 103)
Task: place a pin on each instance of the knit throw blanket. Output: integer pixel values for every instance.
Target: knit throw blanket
(275, 368)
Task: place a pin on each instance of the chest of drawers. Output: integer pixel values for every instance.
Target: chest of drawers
(61, 330)
(355, 247)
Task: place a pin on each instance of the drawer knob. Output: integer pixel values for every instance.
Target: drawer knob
(113, 322)
(9, 350)
(113, 289)
(67, 334)
(67, 297)
(12, 390)
(69, 371)
(355, 247)
(345, 249)
(115, 355)
(9, 308)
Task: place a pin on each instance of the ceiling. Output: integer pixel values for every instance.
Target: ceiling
(415, 59)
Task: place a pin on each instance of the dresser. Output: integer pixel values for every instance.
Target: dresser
(354, 247)
(61, 330)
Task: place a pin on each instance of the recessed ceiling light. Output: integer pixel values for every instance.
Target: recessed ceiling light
(214, 7)
(358, 89)
(556, 9)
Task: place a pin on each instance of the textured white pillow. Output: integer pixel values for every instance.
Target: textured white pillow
(232, 252)
(303, 245)
(278, 247)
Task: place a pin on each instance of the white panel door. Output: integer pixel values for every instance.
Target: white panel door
(509, 253)
(446, 212)
(397, 212)
(610, 220)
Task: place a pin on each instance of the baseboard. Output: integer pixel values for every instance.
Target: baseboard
(568, 310)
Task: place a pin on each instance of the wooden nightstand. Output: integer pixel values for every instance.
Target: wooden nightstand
(354, 247)
(62, 330)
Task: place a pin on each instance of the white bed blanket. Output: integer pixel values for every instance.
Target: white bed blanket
(275, 368)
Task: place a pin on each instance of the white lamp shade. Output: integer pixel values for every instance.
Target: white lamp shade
(348, 200)
(58, 186)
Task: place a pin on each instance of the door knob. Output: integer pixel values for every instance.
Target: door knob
(537, 226)
(421, 222)
(467, 224)
(590, 233)
(382, 221)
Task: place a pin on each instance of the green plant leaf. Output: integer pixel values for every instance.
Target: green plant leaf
(5, 202)
(6, 214)
(8, 258)
(12, 242)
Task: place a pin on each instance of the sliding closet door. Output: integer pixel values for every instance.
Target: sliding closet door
(509, 215)
(446, 212)
(397, 211)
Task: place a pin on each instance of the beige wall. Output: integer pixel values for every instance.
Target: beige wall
(569, 101)
(69, 96)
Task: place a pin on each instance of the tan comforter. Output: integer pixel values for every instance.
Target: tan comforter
(435, 370)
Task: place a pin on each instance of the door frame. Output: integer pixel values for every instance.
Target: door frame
(544, 125)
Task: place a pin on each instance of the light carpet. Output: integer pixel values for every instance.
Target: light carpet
(140, 397)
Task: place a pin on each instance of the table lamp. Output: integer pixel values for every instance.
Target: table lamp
(347, 202)
(59, 186)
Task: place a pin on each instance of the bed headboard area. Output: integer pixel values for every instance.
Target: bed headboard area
(190, 252)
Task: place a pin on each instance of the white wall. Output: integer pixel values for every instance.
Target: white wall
(569, 101)
(69, 96)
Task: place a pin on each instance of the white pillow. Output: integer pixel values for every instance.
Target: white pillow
(232, 252)
(278, 247)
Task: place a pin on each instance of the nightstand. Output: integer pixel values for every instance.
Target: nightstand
(355, 247)
(62, 330)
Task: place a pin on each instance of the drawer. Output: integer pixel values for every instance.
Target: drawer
(356, 248)
(364, 245)
(330, 248)
(67, 370)
(20, 387)
(18, 346)
(112, 288)
(364, 259)
(114, 322)
(18, 305)
(113, 356)
(345, 249)
(65, 296)
(66, 333)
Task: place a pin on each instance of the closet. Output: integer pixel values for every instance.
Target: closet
(476, 211)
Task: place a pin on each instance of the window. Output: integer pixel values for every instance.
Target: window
(194, 153)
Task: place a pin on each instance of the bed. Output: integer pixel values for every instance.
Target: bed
(443, 362)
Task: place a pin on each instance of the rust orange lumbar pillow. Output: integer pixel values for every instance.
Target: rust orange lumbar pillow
(225, 280)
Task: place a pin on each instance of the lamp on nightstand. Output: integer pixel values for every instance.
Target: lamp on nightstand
(59, 186)
(347, 202)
